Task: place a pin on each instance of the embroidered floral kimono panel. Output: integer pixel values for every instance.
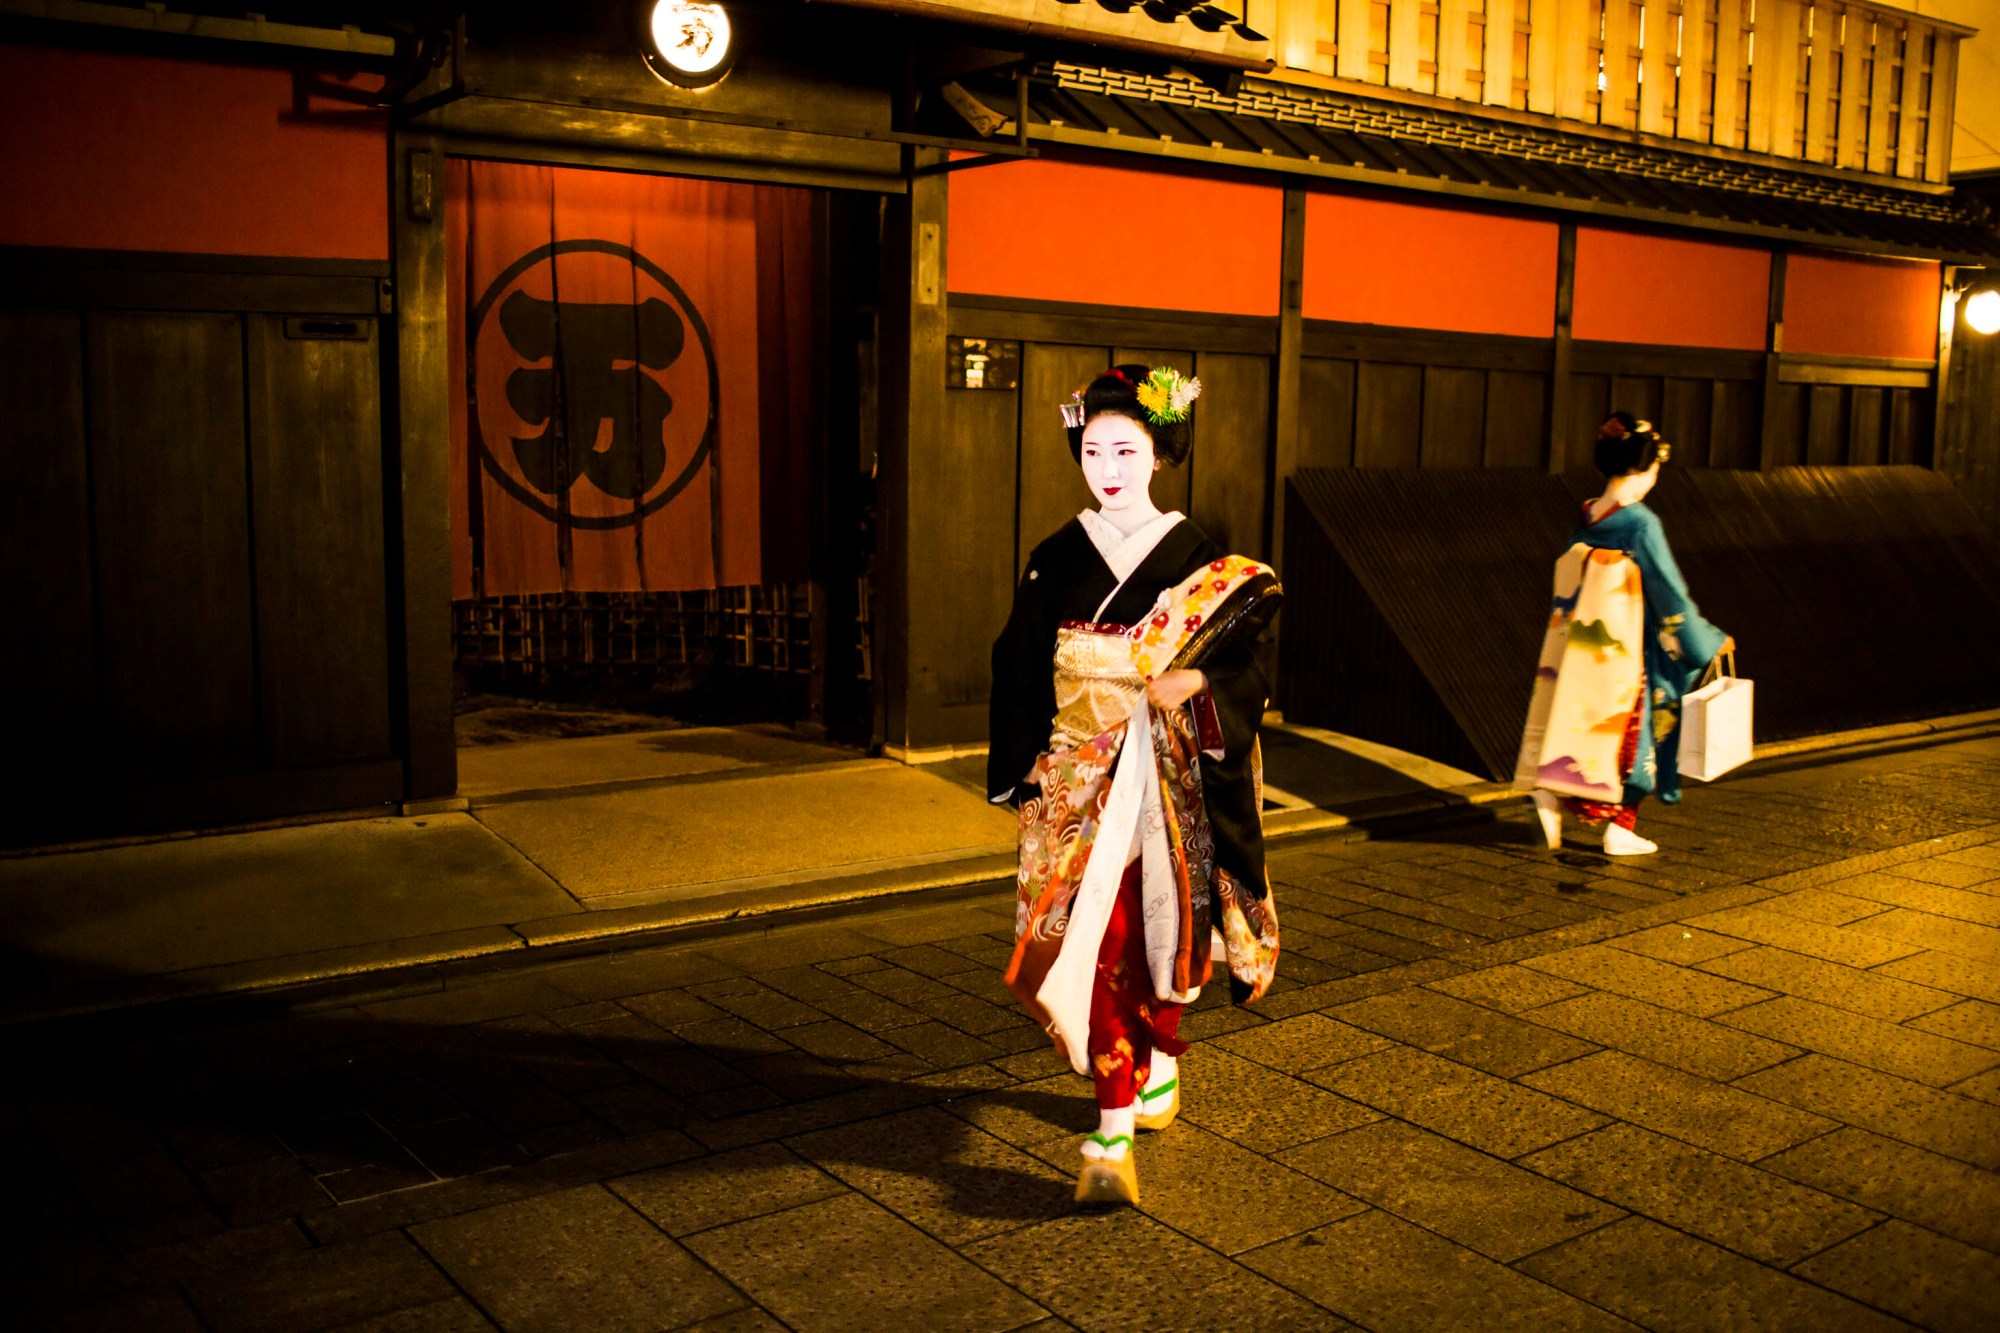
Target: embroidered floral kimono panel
(1623, 636)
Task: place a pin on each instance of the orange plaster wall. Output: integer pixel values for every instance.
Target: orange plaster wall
(1079, 232)
(128, 152)
(1635, 288)
(1844, 305)
(1371, 261)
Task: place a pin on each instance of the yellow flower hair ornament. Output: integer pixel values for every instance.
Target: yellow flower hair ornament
(1167, 395)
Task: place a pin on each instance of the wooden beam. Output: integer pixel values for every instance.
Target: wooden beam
(1854, 28)
(1560, 425)
(1888, 58)
(1919, 39)
(1825, 58)
(1774, 355)
(1352, 62)
(1614, 105)
(1403, 45)
(420, 474)
(1728, 70)
(1656, 67)
(1571, 40)
(1783, 34)
(1500, 71)
(1765, 86)
(1454, 49)
(1693, 99)
(1944, 87)
(1545, 92)
(1288, 405)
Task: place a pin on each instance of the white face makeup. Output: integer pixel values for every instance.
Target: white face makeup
(1118, 464)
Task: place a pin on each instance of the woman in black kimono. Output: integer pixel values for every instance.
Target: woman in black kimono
(1132, 635)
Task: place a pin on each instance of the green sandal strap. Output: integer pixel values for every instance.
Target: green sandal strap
(1112, 1142)
(1161, 1091)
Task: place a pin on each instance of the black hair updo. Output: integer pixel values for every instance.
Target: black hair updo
(1626, 444)
(1116, 393)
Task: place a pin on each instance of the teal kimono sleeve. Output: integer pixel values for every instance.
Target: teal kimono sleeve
(1685, 635)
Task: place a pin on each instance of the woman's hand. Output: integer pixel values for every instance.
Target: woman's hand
(1171, 689)
(1728, 645)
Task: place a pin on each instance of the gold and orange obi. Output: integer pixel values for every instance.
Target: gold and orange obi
(1097, 685)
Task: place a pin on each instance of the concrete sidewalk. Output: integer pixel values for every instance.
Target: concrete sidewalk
(564, 844)
(1750, 1083)
(589, 843)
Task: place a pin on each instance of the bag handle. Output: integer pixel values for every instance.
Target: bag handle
(1722, 664)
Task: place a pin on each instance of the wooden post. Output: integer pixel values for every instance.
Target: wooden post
(911, 418)
(1560, 410)
(1774, 356)
(1695, 54)
(1352, 39)
(1852, 127)
(1944, 81)
(1499, 64)
(1728, 71)
(421, 470)
(1287, 407)
(1941, 378)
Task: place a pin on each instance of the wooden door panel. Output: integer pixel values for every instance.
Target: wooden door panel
(971, 530)
(172, 533)
(1517, 419)
(1454, 417)
(316, 500)
(1326, 412)
(1388, 415)
(1051, 485)
(50, 672)
(1232, 444)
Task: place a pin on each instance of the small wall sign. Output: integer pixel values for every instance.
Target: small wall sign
(981, 363)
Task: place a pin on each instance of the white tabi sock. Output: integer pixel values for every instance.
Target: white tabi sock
(1113, 1138)
(1166, 1069)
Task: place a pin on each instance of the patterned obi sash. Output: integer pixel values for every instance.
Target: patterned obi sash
(1097, 684)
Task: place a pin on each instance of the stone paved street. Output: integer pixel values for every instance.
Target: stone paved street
(1753, 1082)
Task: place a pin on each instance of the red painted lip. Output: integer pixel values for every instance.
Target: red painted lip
(1113, 490)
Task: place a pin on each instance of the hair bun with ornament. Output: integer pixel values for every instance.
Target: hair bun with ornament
(1159, 398)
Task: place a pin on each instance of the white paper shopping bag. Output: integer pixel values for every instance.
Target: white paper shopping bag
(1716, 728)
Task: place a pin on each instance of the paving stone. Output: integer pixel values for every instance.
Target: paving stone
(1985, 1087)
(272, 1187)
(1082, 1266)
(1836, 944)
(1196, 1182)
(476, 1002)
(1027, 1115)
(321, 1288)
(1457, 1101)
(1308, 1041)
(671, 1009)
(1509, 988)
(1390, 1276)
(1826, 906)
(830, 1039)
(1698, 1110)
(888, 1275)
(576, 1259)
(969, 1013)
(1469, 1033)
(1891, 1177)
(951, 1179)
(1895, 889)
(1978, 978)
(633, 1108)
(190, 1259)
(1649, 979)
(636, 972)
(453, 1316)
(1973, 1021)
(1219, 1020)
(156, 1311)
(790, 946)
(1929, 1279)
(1675, 1283)
(1259, 1108)
(1875, 993)
(1697, 1045)
(1925, 930)
(1675, 943)
(1740, 1207)
(1889, 1047)
(1940, 870)
(1479, 1201)
(943, 1046)
(724, 1187)
(871, 1012)
(1943, 1122)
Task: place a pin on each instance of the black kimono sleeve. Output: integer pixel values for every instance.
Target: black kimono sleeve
(1023, 701)
(1240, 690)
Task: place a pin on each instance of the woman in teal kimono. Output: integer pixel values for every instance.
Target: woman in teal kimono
(1603, 731)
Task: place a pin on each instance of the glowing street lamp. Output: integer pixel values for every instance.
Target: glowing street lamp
(691, 43)
(1982, 311)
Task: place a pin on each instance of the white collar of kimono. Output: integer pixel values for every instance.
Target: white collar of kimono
(1126, 553)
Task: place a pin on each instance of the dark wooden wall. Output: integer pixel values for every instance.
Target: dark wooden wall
(195, 564)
